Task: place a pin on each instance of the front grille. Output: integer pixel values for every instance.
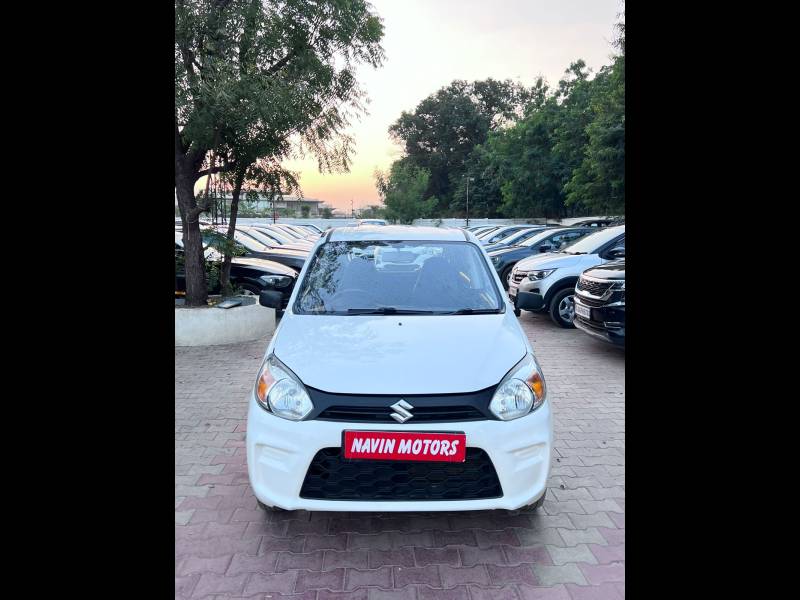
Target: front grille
(381, 414)
(331, 477)
(595, 288)
(593, 302)
(426, 408)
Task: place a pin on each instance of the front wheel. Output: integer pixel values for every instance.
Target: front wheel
(505, 275)
(562, 308)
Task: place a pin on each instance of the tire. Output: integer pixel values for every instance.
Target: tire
(562, 308)
(269, 509)
(538, 504)
(504, 275)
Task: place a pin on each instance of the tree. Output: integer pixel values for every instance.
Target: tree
(403, 192)
(305, 210)
(599, 181)
(250, 77)
(443, 130)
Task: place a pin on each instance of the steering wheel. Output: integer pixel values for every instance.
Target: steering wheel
(363, 297)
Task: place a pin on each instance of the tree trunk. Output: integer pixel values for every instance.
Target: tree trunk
(225, 271)
(196, 286)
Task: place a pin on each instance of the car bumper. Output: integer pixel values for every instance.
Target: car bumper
(606, 324)
(279, 453)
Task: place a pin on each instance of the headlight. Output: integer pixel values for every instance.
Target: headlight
(280, 392)
(274, 282)
(522, 391)
(536, 275)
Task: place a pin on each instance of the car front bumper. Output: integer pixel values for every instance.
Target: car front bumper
(606, 323)
(279, 453)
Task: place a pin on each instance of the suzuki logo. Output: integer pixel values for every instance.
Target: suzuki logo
(401, 414)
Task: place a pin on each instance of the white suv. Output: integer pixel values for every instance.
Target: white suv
(546, 282)
(399, 379)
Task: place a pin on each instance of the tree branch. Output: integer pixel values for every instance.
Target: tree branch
(225, 168)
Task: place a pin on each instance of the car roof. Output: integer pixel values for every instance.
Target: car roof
(396, 233)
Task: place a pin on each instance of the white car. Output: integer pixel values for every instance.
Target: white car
(398, 385)
(547, 282)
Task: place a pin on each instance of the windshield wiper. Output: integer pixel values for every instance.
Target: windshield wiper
(387, 310)
(475, 311)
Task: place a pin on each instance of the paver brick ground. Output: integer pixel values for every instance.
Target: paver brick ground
(573, 548)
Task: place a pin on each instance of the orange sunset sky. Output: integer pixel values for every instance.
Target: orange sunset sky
(429, 43)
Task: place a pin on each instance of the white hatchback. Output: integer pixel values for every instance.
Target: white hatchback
(398, 380)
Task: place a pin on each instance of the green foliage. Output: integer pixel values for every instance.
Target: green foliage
(443, 130)
(373, 211)
(256, 80)
(326, 212)
(526, 152)
(404, 192)
(305, 210)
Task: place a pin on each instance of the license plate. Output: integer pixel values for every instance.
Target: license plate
(397, 445)
(583, 311)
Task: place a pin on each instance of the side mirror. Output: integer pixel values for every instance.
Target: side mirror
(545, 248)
(618, 252)
(277, 282)
(271, 299)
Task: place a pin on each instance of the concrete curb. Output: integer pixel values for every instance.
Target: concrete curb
(211, 326)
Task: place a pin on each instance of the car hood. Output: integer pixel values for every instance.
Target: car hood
(262, 264)
(609, 270)
(551, 260)
(376, 354)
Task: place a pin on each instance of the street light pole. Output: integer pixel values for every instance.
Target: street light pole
(468, 180)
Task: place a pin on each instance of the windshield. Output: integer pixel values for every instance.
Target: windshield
(521, 236)
(504, 235)
(482, 235)
(537, 238)
(388, 277)
(590, 243)
(279, 237)
(261, 237)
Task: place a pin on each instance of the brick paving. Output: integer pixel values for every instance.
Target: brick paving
(573, 549)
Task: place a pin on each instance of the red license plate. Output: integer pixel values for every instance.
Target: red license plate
(396, 445)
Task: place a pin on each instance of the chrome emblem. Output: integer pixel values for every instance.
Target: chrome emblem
(401, 414)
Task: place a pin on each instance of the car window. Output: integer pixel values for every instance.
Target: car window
(428, 277)
(593, 242)
(563, 239)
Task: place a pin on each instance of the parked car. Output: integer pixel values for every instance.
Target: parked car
(398, 385)
(515, 239)
(547, 282)
(296, 233)
(272, 237)
(251, 275)
(600, 302)
(543, 240)
(312, 228)
(371, 222)
(595, 223)
(255, 249)
(502, 233)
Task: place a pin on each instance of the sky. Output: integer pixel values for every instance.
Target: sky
(429, 43)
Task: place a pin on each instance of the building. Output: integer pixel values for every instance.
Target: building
(285, 206)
